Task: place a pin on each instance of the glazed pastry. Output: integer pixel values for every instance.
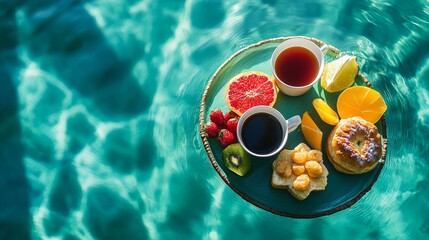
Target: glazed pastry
(300, 171)
(354, 146)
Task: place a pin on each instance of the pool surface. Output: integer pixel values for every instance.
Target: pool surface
(99, 113)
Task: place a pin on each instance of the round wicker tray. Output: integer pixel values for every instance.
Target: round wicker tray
(342, 190)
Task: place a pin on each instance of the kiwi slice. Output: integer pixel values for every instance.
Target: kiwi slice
(236, 159)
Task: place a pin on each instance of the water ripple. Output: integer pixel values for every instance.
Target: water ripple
(108, 96)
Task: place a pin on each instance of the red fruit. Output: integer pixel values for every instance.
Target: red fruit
(230, 115)
(212, 129)
(226, 137)
(216, 116)
(248, 89)
(231, 125)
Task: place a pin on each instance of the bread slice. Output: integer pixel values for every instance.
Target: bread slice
(281, 182)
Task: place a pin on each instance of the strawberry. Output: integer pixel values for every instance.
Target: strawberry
(216, 116)
(231, 125)
(212, 129)
(226, 137)
(230, 115)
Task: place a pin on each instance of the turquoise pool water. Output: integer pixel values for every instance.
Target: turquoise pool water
(99, 105)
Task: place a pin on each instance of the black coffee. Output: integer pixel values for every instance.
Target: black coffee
(262, 133)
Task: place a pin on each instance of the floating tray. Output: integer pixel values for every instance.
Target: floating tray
(342, 191)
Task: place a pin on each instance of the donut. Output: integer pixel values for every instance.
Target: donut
(354, 146)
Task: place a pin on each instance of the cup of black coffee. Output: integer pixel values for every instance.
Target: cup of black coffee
(263, 130)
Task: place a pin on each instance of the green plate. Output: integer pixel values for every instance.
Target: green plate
(342, 191)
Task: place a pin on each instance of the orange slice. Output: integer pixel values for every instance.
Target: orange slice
(249, 89)
(311, 132)
(326, 113)
(361, 101)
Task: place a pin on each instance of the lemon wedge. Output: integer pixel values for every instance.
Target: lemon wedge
(339, 74)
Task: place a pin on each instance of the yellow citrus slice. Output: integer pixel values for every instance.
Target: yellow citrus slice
(361, 101)
(249, 89)
(326, 113)
(339, 74)
(311, 132)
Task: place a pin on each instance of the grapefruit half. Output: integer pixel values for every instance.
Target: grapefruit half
(249, 89)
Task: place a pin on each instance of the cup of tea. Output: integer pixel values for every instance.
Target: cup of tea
(297, 64)
(263, 130)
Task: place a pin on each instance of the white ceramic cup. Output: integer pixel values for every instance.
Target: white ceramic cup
(317, 51)
(287, 126)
